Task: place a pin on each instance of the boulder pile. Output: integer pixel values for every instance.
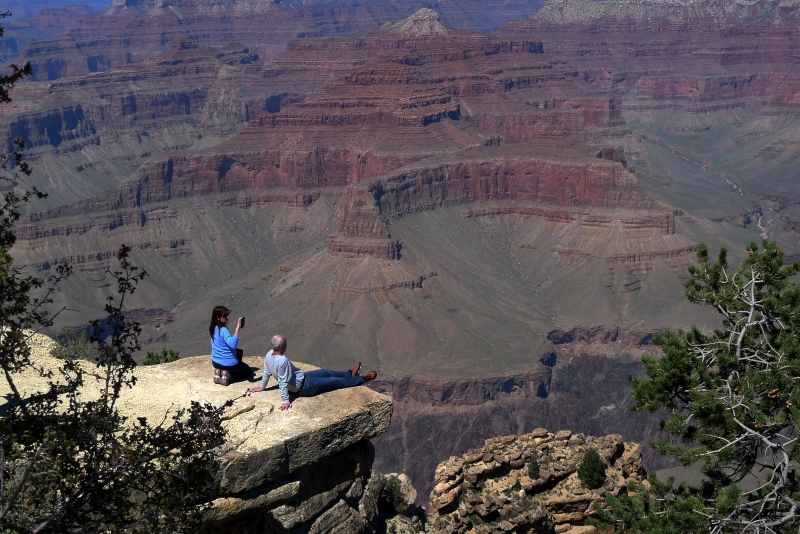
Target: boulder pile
(528, 483)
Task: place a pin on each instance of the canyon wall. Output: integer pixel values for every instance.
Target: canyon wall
(371, 204)
(132, 31)
(742, 51)
(584, 393)
(556, 176)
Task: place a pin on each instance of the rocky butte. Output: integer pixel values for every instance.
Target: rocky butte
(498, 223)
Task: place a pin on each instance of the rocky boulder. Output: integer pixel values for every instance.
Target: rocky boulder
(528, 483)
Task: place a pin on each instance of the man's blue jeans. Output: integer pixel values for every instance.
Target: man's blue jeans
(323, 380)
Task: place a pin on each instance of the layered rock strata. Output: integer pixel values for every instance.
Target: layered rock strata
(129, 31)
(546, 187)
(733, 51)
(493, 489)
(410, 91)
(44, 24)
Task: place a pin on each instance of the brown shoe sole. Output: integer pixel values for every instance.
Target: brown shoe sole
(372, 375)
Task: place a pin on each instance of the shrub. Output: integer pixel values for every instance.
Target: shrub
(165, 356)
(592, 470)
(475, 519)
(392, 496)
(73, 345)
(69, 460)
(533, 468)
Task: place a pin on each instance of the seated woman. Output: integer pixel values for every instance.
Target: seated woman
(228, 366)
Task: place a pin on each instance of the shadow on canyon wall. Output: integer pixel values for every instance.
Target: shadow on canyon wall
(583, 393)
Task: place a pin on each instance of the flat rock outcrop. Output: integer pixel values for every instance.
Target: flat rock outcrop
(493, 489)
(272, 463)
(306, 469)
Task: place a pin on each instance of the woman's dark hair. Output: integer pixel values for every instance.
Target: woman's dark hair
(218, 312)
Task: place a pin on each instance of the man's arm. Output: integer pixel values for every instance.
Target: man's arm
(264, 378)
(284, 375)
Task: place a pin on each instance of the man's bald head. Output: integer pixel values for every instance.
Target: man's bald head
(278, 343)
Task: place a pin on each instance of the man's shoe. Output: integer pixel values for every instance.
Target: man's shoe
(216, 376)
(356, 369)
(225, 377)
(372, 375)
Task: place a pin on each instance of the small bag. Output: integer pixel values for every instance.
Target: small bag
(239, 355)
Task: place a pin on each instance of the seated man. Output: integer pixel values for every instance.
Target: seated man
(308, 383)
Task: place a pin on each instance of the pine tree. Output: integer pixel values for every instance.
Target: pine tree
(732, 396)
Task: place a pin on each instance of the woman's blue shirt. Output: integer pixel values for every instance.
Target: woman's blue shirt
(223, 347)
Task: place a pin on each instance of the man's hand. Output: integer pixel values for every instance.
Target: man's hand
(255, 389)
(285, 406)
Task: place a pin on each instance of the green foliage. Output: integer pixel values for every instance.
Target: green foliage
(392, 528)
(165, 356)
(592, 469)
(77, 465)
(73, 345)
(392, 496)
(732, 397)
(660, 508)
(475, 519)
(533, 468)
(69, 460)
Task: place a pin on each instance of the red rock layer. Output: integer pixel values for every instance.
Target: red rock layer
(692, 54)
(663, 222)
(131, 31)
(416, 97)
(403, 99)
(491, 175)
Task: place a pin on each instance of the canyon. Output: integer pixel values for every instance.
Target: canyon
(131, 31)
(498, 223)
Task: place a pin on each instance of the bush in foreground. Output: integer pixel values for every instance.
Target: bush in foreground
(69, 461)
